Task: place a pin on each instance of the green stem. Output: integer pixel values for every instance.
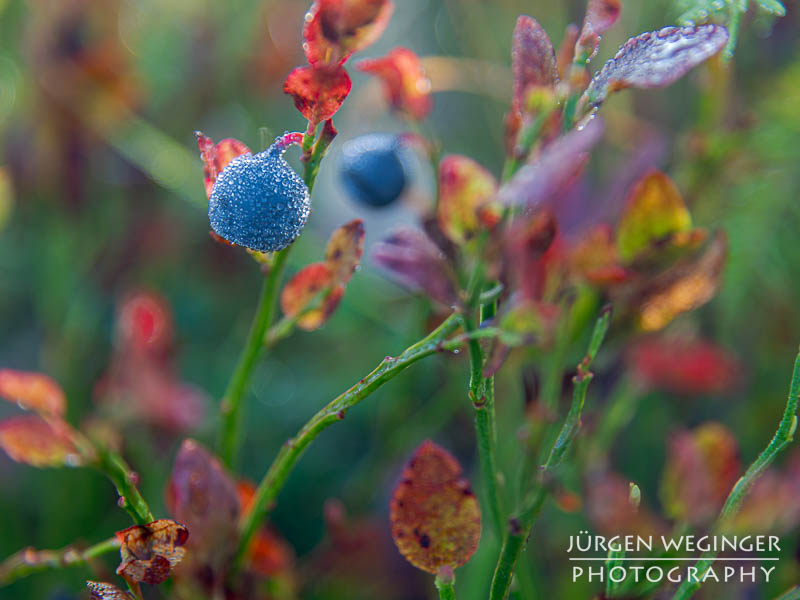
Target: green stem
(782, 438)
(124, 479)
(334, 412)
(232, 403)
(29, 561)
(520, 526)
(792, 594)
(445, 582)
(481, 394)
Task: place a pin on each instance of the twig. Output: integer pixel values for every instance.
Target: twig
(29, 561)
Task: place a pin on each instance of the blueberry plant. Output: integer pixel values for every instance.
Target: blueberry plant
(511, 277)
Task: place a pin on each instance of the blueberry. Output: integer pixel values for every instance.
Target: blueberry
(259, 202)
(373, 169)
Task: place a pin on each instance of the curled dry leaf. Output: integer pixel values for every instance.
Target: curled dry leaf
(405, 83)
(334, 29)
(150, 552)
(701, 468)
(533, 60)
(466, 198)
(685, 287)
(416, 262)
(656, 59)
(106, 591)
(654, 211)
(215, 157)
(541, 181)
(318, 93)
(203, 496)
(344, 250)
(33, 391)
(31, 440)
(312, 295)
(435, 517)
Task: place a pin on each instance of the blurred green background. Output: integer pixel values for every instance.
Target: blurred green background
(98, 105)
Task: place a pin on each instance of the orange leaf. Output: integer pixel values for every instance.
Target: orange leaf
(31, 440)
(344, 250)
(149, 552)
(33, 391)
(312, 282)
(334, 29)
(269, 553)
(595, 257)
(435, 517)
(466, 193)
(318, 93)
(685, 287)
(405, 83)
(216, 157)
(106, 591)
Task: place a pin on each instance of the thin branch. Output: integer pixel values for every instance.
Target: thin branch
(29, 561)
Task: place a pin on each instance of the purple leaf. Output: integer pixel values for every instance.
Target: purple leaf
(656, 59)
(539, 182)
(533, 60)
(416, 262)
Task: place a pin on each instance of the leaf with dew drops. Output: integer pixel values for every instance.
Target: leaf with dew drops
(31, 440)
(33, 391)
(318, 93)
(656, 59)
(533, 59)
(600, 17)
(435, 517)
(216, 157)
(344, 250)
(105, 591)
(150, 552)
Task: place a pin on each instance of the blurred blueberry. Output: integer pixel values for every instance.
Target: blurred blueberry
(259, 201)
(373, 168)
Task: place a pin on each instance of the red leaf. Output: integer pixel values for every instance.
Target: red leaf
(595, 257)
(144, 324)
(216, 157)
(656, 59)
(33, 391)
(600, 16)
(203, 496)
(527, 247)
(334, 29)
(344, 250)
(685, 366)
(31, 440)
(150, 552)
(406, 85)
(533, 60)
(312, 295)
(269, 553)
(435, 517)
(417, 262)
(318, 93)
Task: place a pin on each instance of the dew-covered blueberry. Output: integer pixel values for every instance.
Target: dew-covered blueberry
(259, 201)
(373, 168)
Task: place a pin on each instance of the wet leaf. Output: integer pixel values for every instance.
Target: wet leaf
(405, 83)
(215, 157)
(466, 198)
(595, 257)
(600, 17)
(656, 59)
(106, 591)
(334, 29)
(31, 440)
(312, 295)
(533, 60)
(150, 552)
(344, 250)
(33, 391)
(654, 211)
(318, 93)
(416, 262)
(685, 366)
(540, 182)
(203, 496)
(685, 287)
(702, 466)
(435, 517)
